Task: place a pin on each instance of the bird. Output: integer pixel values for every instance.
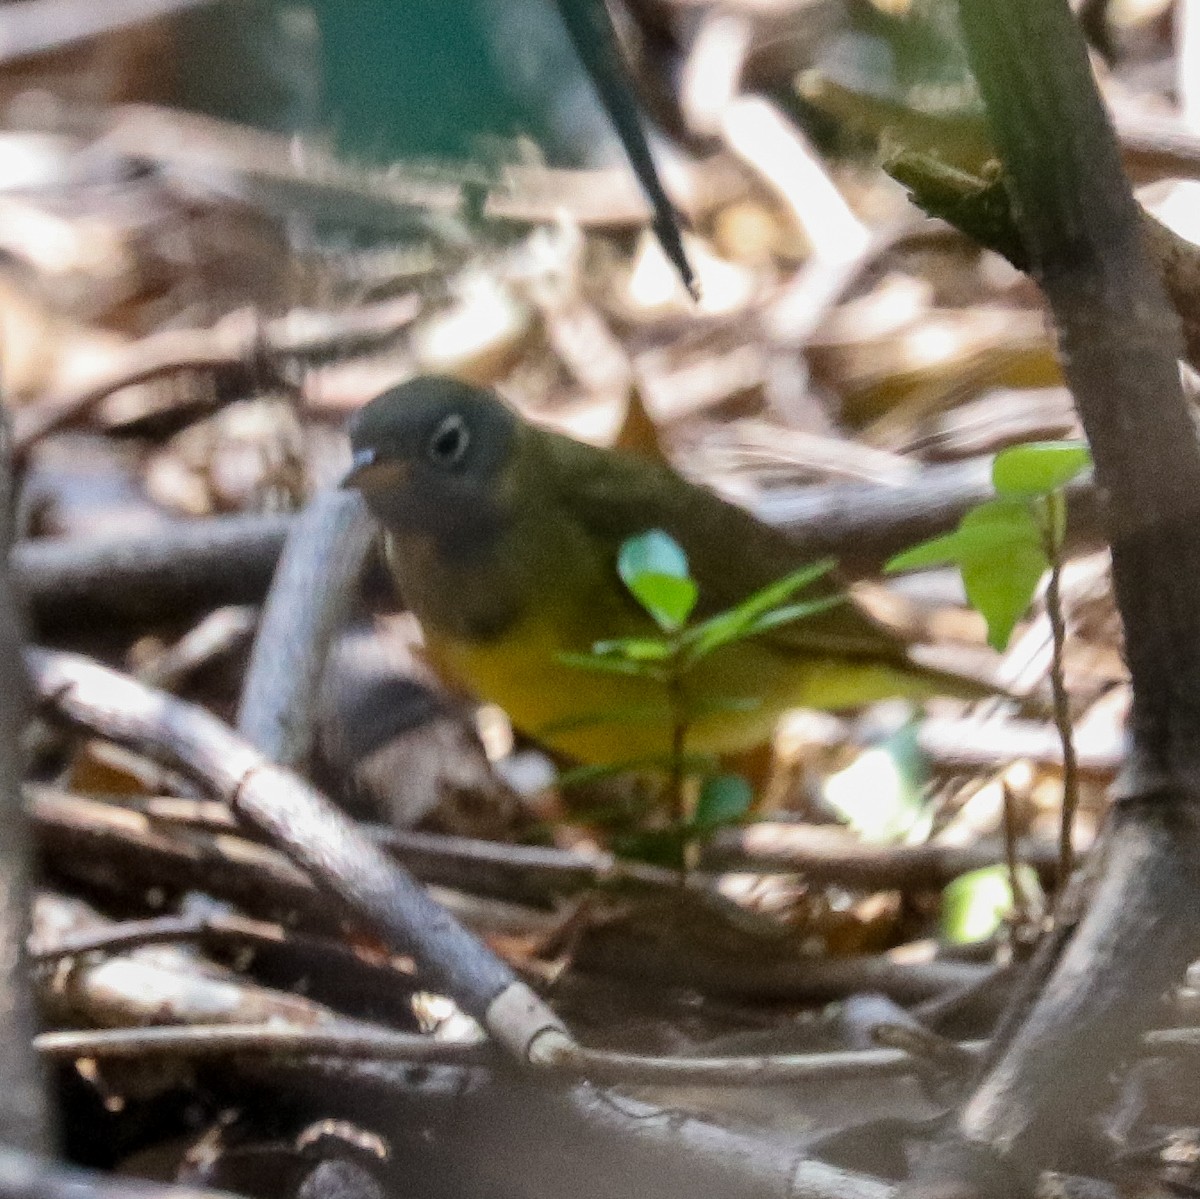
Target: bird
(503, 538)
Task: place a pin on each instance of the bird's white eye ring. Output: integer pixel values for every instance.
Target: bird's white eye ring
(449, 441)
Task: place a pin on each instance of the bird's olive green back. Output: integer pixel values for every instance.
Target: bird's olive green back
(611, 496)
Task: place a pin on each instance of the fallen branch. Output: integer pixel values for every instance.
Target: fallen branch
(101, 844)
(794, 979)
(114, 847)
(680, 1154)
(221, 931)
(190, 566)
(224, 1040)
(830, 855)
(177, 570)
(302, 823)
(384, 1045)
(106, 982)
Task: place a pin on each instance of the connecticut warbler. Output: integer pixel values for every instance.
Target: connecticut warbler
(503, 539)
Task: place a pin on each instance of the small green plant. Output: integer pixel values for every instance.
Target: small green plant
(1003, 548)
(975, 905)
(654, 569)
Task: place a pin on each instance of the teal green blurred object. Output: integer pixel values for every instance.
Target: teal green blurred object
(430, 79)
(397, 79)
(414, 78)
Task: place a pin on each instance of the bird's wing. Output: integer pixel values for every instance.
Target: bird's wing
(731, 554)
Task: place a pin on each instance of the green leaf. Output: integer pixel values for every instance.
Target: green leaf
(652, 553)
(1003, 562)
(993, 524)
(667, 599)
(792, 612)
(724, 799)
(998, 548)
(737, 623)
(1039, 467)
(783, 589)
(937, 551)
(655, 569)
(602, 664)
(975, 904)
(634, 649)
(1001, 589)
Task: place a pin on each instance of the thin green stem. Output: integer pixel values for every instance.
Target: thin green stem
(1012, 858)
(676, 769)
(1052, 540)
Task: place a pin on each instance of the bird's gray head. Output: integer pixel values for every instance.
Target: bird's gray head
(429, 457)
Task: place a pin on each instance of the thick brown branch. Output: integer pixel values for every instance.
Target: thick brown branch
(1120, 345)
(24, 1118)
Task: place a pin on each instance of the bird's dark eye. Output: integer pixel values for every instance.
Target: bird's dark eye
(449, 440)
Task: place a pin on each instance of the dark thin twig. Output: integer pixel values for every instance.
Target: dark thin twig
(208, 930)
(376, 1044)
(982, 209)
(222, 1040)
(134, 934)
(240, 341)
(966, 1001)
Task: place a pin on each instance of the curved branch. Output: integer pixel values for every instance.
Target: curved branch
(305, 826)
(314, 587)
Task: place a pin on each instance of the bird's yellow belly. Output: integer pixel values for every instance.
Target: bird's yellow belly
(738, 693)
